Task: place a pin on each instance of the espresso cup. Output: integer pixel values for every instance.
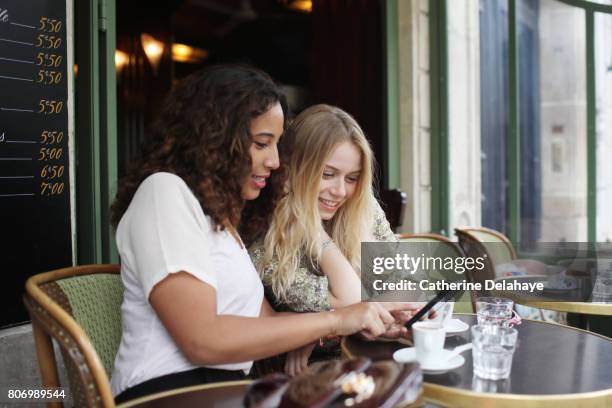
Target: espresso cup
(428, 341)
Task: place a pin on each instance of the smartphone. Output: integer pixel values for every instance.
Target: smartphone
(442, 296)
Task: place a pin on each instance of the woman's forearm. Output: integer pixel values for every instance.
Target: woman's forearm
(344, 282)
(258, 337)
(187, 308)
(335, 302)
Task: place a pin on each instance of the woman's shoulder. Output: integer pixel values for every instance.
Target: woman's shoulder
(167, 194)
(164, 185)
(381, 229)
(163, 179)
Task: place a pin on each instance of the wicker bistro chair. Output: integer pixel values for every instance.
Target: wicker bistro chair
(465, 304)
(80, 308)
(492, 245)
(501, 252)
(480, 241)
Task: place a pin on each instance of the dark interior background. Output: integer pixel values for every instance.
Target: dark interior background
(332, 54)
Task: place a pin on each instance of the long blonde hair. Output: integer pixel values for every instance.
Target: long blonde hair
(295, 228)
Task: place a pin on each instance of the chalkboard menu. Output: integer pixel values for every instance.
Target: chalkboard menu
(35, 214)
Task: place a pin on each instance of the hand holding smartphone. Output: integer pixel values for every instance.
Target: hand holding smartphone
(442, 296)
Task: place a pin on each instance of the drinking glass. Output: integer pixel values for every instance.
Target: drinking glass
(492, 351)
(495, 386)
(494, 311)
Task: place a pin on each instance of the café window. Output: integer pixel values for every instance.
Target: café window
(544, 131)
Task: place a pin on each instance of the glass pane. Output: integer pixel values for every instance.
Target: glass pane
(553, 131)
(494, 105)
(603, 84)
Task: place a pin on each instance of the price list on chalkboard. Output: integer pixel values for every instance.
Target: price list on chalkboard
(34, 144)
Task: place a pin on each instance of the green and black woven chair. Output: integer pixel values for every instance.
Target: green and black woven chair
(79, 308)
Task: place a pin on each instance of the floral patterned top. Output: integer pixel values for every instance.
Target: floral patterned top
(309, 292)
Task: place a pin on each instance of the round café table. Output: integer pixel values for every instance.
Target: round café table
(553, 366)
(573, 301)
(227, 394)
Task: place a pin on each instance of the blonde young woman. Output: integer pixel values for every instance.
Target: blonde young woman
(309, 260)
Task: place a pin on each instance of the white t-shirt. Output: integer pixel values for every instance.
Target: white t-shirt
(163, 231)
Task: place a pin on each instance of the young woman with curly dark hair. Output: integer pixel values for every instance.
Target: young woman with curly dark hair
(193, 308)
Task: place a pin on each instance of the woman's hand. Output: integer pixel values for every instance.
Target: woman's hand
(402, 316)
(297, 360)
(397, 329)
(371, 318)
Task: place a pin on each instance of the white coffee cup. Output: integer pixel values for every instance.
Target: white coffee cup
(428, 341)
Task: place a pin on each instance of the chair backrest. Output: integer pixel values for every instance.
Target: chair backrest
(494, 246)
(465, 304)
(394, 205)
(80, 308)
(502, 253)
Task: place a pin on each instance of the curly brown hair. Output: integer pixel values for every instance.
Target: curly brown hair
(202, 135)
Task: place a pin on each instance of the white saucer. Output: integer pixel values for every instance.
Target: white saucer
(407, 355)
(455, 326)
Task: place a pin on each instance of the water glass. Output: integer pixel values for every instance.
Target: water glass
(494, 311)
(494, 386)
(492, 351)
